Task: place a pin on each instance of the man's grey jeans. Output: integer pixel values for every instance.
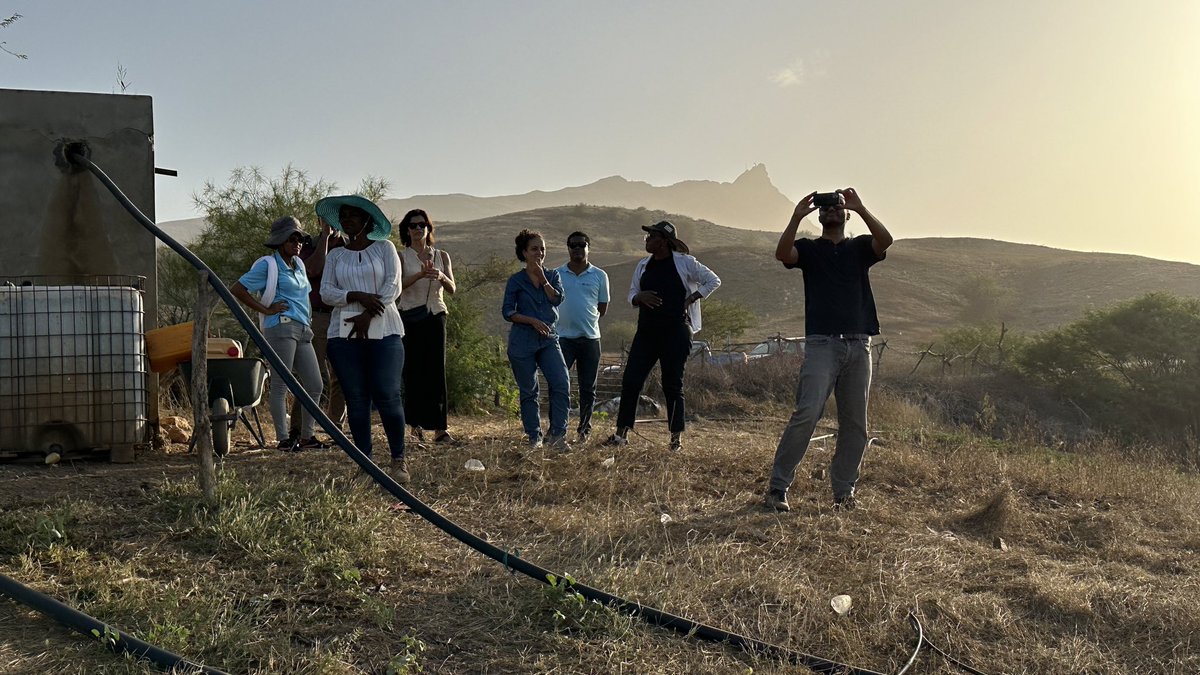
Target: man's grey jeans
(838, 365)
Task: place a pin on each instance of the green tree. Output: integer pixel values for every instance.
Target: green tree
(238, 217)
(1134, 367)
(724, 321)
(477, 371)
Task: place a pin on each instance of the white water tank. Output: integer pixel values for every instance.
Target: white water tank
(73, 373)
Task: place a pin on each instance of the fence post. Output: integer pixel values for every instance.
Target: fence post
(202, 436)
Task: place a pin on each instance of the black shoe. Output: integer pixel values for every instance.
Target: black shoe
(676, 442)
(845, 503)
(311, 443)
(777, 499)
(287, 445)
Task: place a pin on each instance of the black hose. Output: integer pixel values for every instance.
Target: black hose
(658, 617)
(114, 639)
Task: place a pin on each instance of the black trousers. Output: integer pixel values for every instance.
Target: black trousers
(669, 346)
(425, 373)
(584, 353)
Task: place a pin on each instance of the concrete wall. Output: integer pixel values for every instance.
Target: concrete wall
(53, 222)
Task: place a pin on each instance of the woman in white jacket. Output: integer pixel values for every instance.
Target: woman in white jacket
(666, 289)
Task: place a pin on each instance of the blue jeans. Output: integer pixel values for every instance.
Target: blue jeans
(584, 353)
(371, 371)
(838, 366)
(528, 351)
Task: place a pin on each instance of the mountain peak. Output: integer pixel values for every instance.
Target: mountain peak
(755, 174)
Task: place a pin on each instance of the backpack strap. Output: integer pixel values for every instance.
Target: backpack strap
(268, 294)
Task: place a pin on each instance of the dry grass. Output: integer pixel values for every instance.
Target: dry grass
(306, 570)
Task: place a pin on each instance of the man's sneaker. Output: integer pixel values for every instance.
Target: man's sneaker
(400, 470)
(845, 503)
(584, 437)
(676, 442)
(536, 442)
(558, 442)
(287, 445)
(777, 499)
(311, 443)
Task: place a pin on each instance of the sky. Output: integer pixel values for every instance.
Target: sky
(1073, 124)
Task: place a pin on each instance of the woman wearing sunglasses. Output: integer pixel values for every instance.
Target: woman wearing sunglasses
(282, 282)
(426, 276)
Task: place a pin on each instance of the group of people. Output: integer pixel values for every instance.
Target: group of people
(381, 319)
(351, 300)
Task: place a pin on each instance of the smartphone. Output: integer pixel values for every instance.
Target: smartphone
(822, 199)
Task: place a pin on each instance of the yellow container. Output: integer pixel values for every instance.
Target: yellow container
(169, 346)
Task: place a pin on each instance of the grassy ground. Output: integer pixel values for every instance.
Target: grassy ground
(306, 569)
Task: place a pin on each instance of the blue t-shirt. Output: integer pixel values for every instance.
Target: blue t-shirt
(578, 316)
(293, 286)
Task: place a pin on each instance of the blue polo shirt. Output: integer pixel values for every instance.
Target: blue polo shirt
(577, 315)
(293, 287)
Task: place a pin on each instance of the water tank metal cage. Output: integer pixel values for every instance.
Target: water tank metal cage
(73, 371)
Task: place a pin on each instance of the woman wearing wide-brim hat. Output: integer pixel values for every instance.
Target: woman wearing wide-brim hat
(286, 320)
(361, 282)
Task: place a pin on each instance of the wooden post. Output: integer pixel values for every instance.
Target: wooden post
(202, 436)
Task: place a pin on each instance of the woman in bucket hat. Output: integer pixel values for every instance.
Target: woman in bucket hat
(286, 318)
(361, 282)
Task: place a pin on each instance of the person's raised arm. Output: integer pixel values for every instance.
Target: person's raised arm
(881, 239)
(315, 264)
(785, 250)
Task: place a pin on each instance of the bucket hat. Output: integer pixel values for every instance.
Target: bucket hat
(328, 209)
(281, 229)
(667, 229)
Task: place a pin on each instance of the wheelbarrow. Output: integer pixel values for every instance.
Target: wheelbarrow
(233, 386)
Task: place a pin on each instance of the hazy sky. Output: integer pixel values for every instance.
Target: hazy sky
(1074, 124)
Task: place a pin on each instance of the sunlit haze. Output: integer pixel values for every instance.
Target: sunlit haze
(1069, 124)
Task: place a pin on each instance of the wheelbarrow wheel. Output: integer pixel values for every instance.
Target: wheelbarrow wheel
(220, 426)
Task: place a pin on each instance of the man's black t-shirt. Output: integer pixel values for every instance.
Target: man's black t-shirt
(837, 290)
(662, 277)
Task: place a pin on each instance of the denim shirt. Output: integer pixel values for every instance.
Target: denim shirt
(522, 297)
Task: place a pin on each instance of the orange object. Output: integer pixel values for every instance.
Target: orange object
(169, 346)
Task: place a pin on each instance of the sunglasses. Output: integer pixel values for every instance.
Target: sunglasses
(577, 244)
(296, 239)
(418, 226)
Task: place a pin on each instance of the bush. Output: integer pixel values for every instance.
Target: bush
(1134, 368)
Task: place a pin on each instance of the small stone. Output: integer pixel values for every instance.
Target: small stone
(665, 518)
(608, 463)
(1000, 544)
(841, 604)
(474, 465)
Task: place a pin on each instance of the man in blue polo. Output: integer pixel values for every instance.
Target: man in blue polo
(585, 299)
(839, 320)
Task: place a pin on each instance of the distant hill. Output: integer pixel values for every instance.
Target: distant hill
(749, 202)
(916, 288)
